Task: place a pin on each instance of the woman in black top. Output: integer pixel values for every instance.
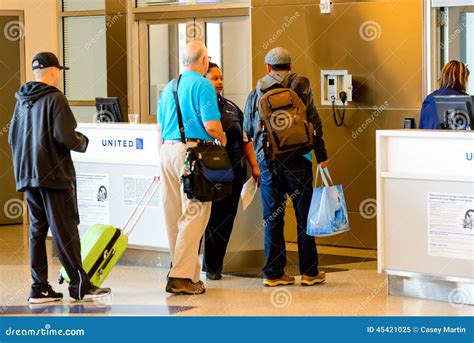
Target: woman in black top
(239, 149)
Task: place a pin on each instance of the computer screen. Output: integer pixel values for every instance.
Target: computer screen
(455, 112)
(108, 110)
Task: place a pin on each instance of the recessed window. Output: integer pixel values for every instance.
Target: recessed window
(81, 5)
(85, 55)
(454, 38)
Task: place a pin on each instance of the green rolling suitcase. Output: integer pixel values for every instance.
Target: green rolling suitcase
(103, 245)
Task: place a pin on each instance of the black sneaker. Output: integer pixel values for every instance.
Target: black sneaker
(184, 286)
(44, 295)
(212, 276)
(93, 293)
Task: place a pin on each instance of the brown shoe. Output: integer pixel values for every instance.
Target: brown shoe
(283, 281)
(313, 280)
(184, 286)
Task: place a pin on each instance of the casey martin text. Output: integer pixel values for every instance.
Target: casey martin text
(444, 329)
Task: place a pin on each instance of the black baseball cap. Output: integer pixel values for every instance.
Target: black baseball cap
(45, 60)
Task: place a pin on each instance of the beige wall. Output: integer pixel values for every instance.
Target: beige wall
(41, 27)
(387, 71)
(237, 60)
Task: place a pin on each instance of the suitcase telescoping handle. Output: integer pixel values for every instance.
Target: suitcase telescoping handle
(137, 212)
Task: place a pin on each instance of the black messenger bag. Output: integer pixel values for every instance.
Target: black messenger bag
(208, 172)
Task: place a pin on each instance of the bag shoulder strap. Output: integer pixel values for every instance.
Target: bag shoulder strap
(287, 82)
(178, 109)
(323, 172)
(326, 171)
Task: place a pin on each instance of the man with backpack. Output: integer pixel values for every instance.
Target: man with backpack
(281, 118)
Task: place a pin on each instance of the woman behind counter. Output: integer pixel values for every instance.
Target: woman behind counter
(223, 212)
(453, 81)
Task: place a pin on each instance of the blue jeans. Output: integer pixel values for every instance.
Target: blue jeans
(278, 180)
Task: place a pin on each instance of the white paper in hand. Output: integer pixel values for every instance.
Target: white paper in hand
(248, 192)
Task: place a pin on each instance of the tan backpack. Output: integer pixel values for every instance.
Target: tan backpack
(284, 122)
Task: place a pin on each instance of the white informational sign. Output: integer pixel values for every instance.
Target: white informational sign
(119, 144)
(93, 198)
(133, 189)
(450, 225)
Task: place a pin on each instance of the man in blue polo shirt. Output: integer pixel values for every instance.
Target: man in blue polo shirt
(186, 220)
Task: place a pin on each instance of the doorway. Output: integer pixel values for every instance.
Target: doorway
(162, 43)
(12, 75)
(453, 39)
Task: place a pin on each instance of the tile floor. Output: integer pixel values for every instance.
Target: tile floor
(352, 289)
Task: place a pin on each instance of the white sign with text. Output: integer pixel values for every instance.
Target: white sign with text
(119, 144)
(450, 225)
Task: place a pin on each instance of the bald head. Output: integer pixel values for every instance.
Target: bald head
(195, 57)
(50, 76)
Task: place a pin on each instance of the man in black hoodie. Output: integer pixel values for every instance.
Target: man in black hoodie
(42, 134)
(291, 176)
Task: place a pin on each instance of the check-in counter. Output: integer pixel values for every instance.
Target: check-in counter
(425, 199)
(119, 164)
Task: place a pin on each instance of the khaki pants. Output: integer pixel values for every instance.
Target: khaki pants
(185, 220)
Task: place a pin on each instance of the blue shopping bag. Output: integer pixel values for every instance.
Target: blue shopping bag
(328, 211)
